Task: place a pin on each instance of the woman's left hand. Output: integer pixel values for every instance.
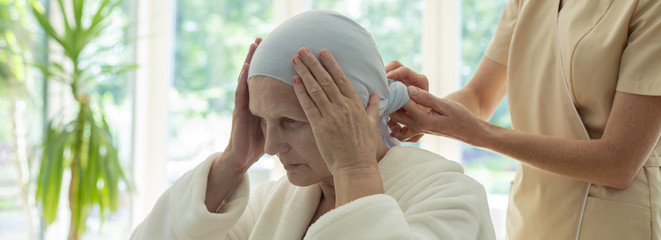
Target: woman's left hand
(345, 132)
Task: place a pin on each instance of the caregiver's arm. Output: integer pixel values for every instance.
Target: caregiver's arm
(346, 133)
(481, 95)
(632, 130)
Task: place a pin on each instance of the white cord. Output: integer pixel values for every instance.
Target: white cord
(587, 135)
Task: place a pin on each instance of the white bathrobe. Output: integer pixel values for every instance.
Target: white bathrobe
(426, 197)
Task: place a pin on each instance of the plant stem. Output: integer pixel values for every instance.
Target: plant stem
(74, 185)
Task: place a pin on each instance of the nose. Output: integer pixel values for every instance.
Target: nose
(274, 141)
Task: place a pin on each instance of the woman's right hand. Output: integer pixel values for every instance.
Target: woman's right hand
(398, 72)
(246, 144)
(245, 147)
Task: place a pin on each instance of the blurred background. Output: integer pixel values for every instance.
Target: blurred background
(158, 78)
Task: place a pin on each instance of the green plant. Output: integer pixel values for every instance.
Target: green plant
(83, 145)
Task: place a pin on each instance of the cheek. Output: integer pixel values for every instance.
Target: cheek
(302, 140)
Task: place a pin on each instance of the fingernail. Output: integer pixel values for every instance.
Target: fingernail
(296, 79)
(303, 53)
(413, 91)
(296, 60)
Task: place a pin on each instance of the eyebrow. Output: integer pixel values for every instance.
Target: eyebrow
(287, 113)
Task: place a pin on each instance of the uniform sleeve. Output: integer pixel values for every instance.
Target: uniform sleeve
(445, 206)
(180, 212)
(640, 66)
(499, 47)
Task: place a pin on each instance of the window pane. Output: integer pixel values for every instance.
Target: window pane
(394, 24)
(494, 171)
(116, 96)
(211, 42)
(113, 93)
(479, 21)
(21, 119)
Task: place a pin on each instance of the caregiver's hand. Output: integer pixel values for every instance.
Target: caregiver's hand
(442, 117)
(245, 147)
(346, 134)
(398, 72)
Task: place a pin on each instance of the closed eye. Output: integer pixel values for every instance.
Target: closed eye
(292, 123)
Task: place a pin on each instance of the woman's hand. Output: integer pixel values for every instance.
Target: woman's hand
(344, 131)
(398, 72)
(346, 134)
(430, 114)
(245, 147)
(246, 144)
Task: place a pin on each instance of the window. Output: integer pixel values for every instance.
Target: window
(394, 24)
(21, 120)
(115, 96)
(204, 44)
(494, 171)
(211, 42)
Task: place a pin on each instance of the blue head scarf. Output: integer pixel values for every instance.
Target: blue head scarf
(352, 46)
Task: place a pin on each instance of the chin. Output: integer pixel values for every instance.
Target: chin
(300, 181)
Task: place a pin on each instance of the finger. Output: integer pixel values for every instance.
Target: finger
(394, 126)
(415, 138)
(373, 106)
(404, 133)
(309, 107)
(395, 129)
(392, 65)
(402, 117)
(408, 77)
(251, 52)
(241, 94)
(258, 40)
(338, 75)
(407, 134)
(426, 99)
(320, 74)
(312, 87)
(417, 113)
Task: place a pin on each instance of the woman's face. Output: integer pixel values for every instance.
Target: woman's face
(286, 131)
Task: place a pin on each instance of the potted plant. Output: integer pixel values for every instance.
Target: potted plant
(83, 145)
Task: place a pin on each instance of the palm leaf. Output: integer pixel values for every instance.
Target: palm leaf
(44, 22)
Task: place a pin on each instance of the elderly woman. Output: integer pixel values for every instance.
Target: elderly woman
(346, 177)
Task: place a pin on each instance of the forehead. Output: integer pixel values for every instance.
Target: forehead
(269, 97)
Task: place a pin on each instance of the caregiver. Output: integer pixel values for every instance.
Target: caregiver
(583, 79)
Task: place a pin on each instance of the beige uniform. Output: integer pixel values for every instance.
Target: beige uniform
(577, 59)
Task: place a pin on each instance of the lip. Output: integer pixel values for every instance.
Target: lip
(290, 167)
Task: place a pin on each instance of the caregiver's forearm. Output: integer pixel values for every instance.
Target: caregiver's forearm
(222, 180)
(632, 130)
(595, 161)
